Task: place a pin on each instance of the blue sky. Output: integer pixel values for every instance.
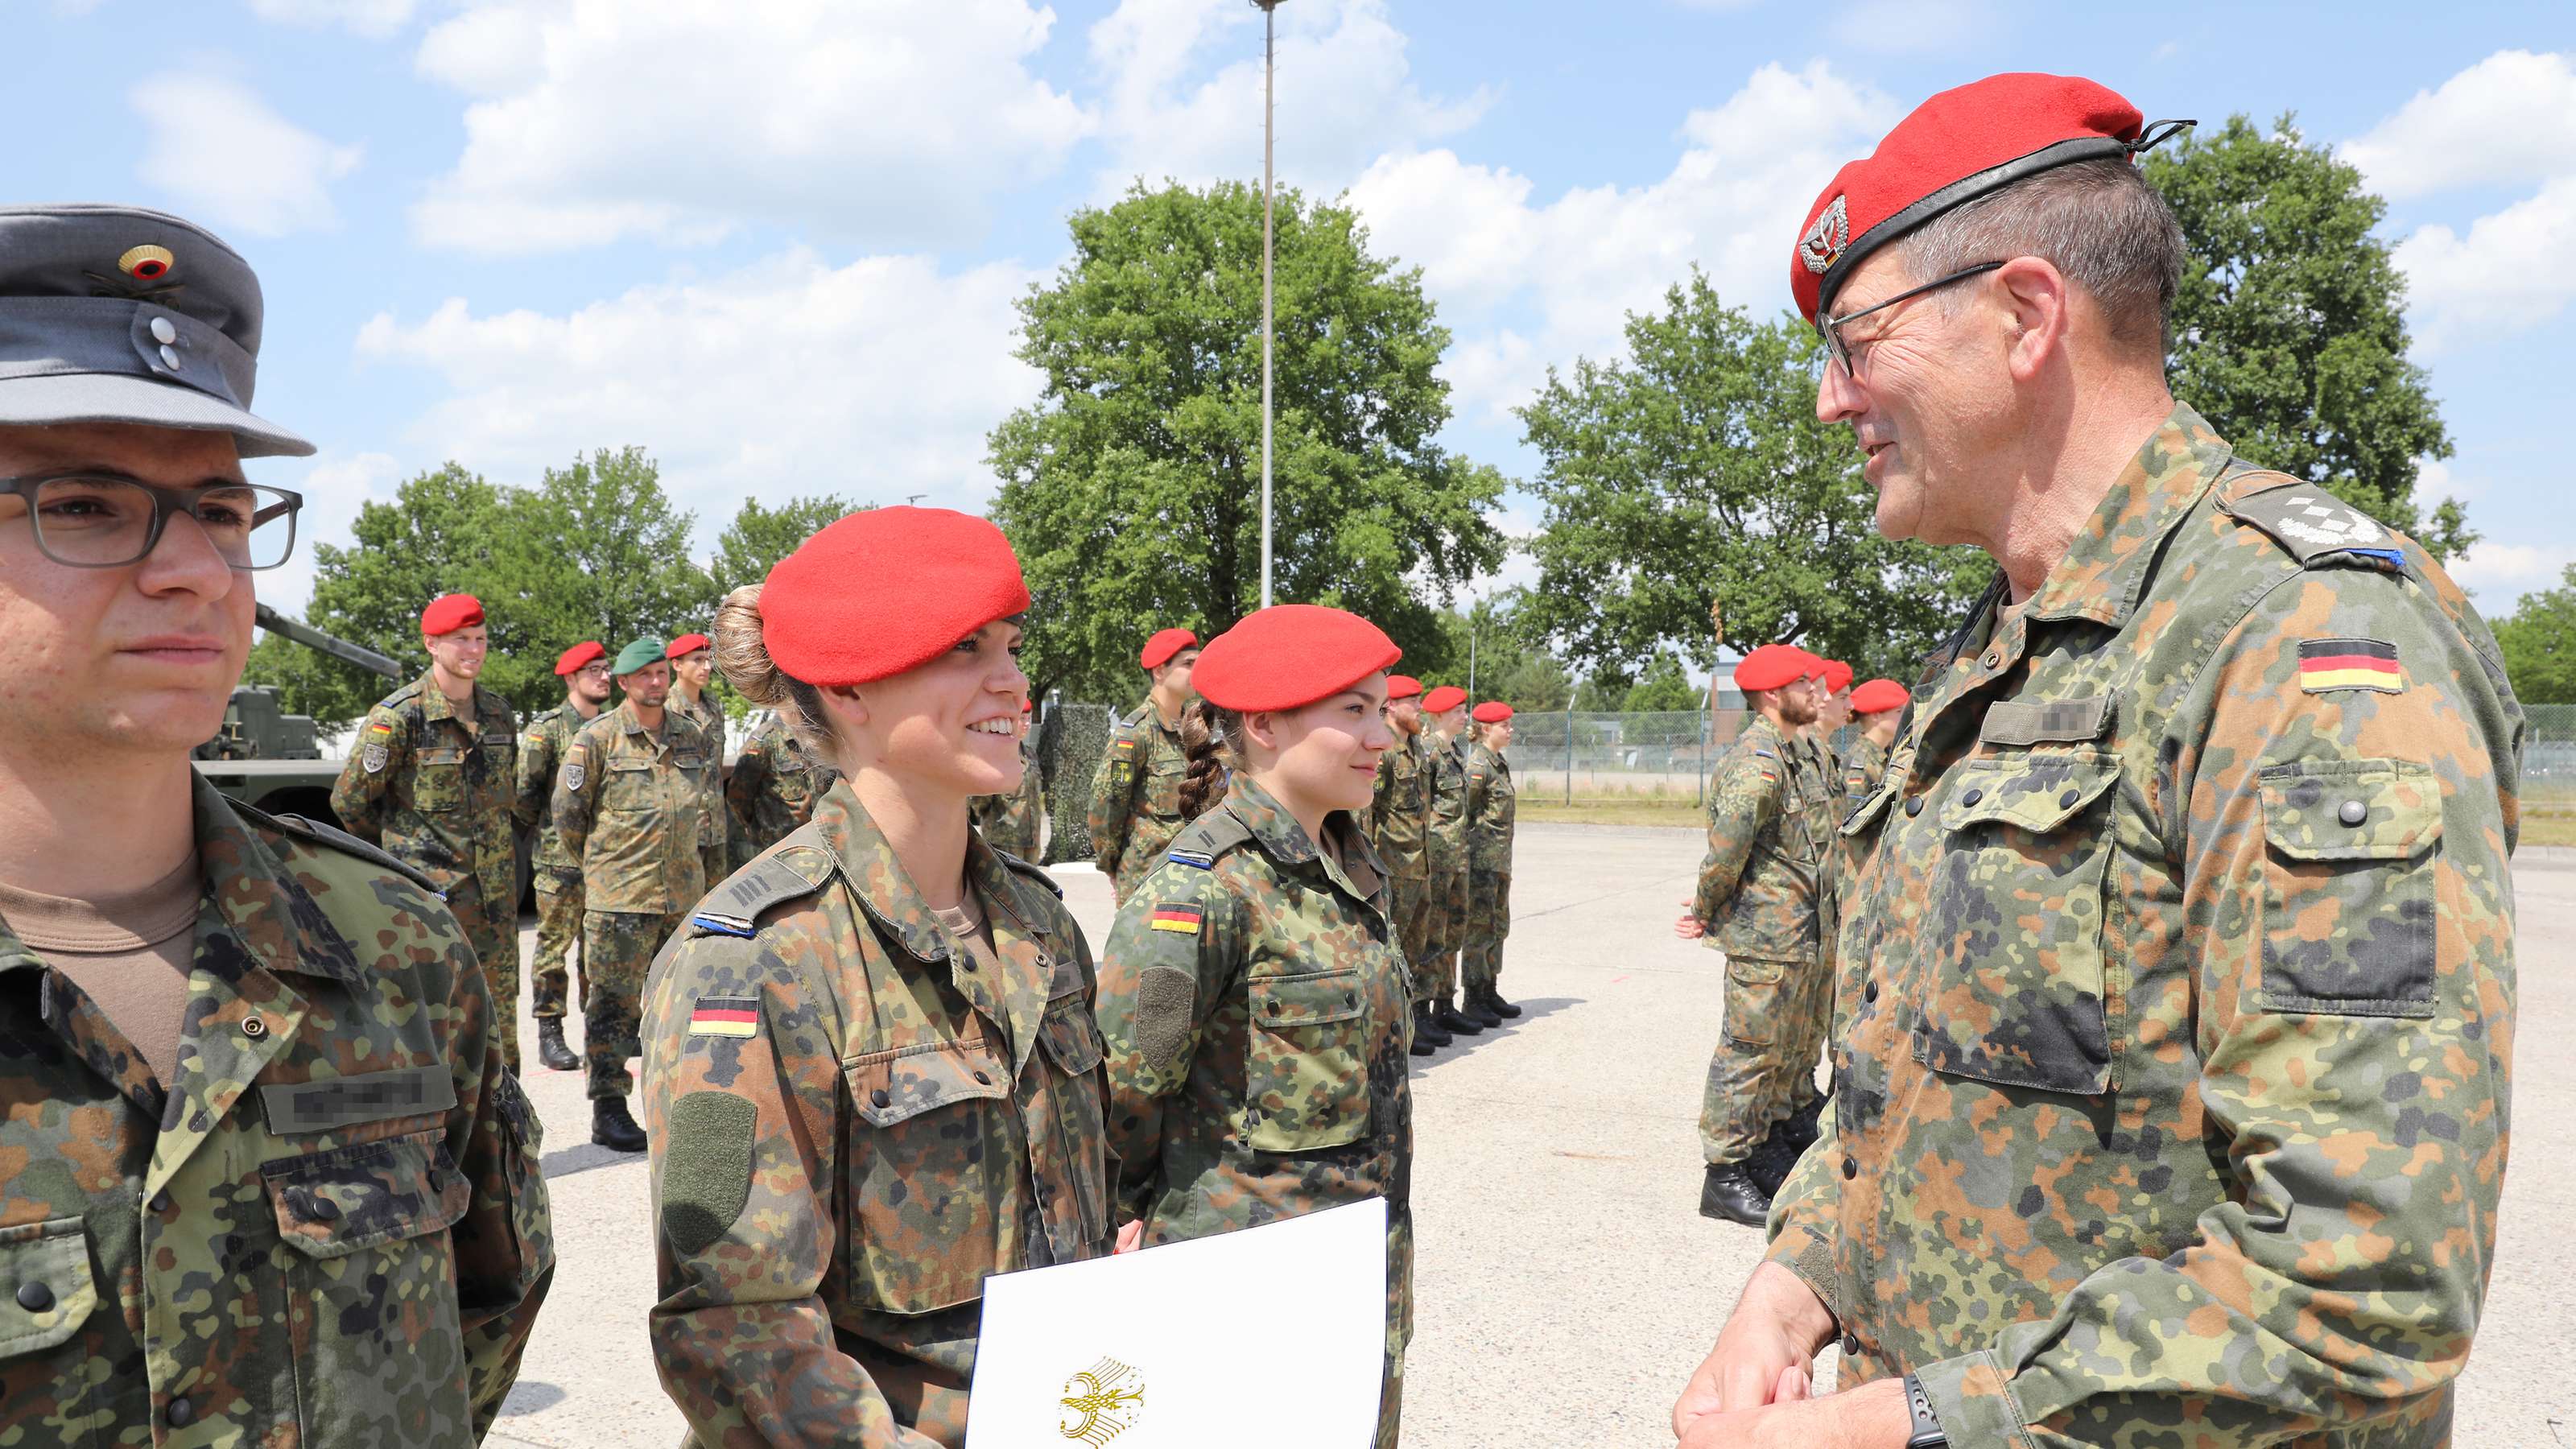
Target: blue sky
(782, 256)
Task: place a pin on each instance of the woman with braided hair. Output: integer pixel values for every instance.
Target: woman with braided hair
(1254, 995)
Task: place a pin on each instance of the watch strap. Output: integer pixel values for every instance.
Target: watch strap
(1926, 1430)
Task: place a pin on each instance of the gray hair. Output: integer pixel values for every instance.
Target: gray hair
(2098, 222)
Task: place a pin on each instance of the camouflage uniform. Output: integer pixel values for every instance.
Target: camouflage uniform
(1446, 921)
(709, 717)
(1757, 897)
(851, 1127)
(330, 1229)
(1257, 1010)
(558, 875)
(771, 790)
(1863, 764)
(442, 798)
(1009, 821)
(1136, 802)
(1811, 1010)
(1490, 808)
(1400, 831)
(2178, 1075)
(628, 805)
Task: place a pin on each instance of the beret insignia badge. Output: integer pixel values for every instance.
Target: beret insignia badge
(146, 263)
(1823, 244)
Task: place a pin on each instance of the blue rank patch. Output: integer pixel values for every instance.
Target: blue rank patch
(724, 925)
(1192, 859)
(1765, 754)
(2394, 558)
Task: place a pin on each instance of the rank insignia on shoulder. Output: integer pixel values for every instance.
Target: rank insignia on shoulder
(1184, 919)
(2349, 664)
(723, 924)
(736, 1016)
(1196, 860)
(1764, 755)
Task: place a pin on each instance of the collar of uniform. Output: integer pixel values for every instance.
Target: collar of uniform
(267, 908)
(2105, 568)
(1760, 732)
(1280, 836)
(884, 890)
(628, 721)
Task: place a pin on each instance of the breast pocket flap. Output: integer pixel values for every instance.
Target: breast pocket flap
(332, 1204)
(1284, 1003)
(892, 1087)
(2037, 793)
(46, 1265)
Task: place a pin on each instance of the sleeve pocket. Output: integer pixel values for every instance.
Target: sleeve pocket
(1306, 1083)
(2348, 886)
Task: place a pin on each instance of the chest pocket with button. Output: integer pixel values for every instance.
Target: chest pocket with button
(2348, 886)
(2013, 928)
(1163, 779)
(926, 1168)
(438, 778)
(1070, 1038)
(46, 1295)
(627, 786)
(1306, 1072)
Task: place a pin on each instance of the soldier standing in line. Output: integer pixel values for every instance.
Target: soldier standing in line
(1009, 821)
(1444, 710)
(1399, 822)
(2173, 1106)
(1806, 1009)
(435, 782)
(693, 663)
(627, 806)
(1876, 707)
(1757, 903)
(1491, 809)
(584, 671)
(1136, 800)
(771, 789)
(264, 1178)
(1833, 719)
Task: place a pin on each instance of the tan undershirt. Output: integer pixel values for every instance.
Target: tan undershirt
(131, 952)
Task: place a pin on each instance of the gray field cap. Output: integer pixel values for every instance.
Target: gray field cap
(113, 314)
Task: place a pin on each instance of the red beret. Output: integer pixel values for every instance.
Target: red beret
(1492, 711)
(1838, 676)
(450, 612)
(1401, 686)
(688, 644)
(1288, 656)
(1444, 699)
(1879, 696)
(1028, 706)
(1954, 148)
(1772, 666)
(886, 590)
(580, 654)
(1160, 649)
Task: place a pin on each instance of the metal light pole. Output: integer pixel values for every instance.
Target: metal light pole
(1269, 57)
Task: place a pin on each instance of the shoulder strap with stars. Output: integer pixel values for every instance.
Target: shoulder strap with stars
(1203, 840)
(2310, 522)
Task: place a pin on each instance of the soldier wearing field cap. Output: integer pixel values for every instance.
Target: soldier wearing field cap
(435, 780)
(628, 805)
(693, 664)
(584, 670)
(2172, 1105)
(1136, 802)
(264, 1177)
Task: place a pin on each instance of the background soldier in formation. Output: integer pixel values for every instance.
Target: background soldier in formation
(1491, 806)
(1136, 804)
(584, 671)
(239, 1048)
(771, 789)
(1009, 821)
(1444, 711)
(1399, 822)
(1757, 903)
(1877, 707)
(693, 663)
(627, 805)
(2172, 1105)
(435, 781)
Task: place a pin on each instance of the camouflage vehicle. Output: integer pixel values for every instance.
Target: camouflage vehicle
(272, 760)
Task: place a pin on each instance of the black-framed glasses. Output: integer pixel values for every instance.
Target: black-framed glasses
(107, 520)
(1838, 351)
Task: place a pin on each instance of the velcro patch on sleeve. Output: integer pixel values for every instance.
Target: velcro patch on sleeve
(725, 1016)
(1184, 919)
(2349, 664)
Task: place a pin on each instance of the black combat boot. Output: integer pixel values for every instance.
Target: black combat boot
(1427, 1035)
(1472, 1006)
(1771, 1163)
(550, 1046)
(1800, 1128)
(612, 1128)
(1450, 1021)
(1730, 1196)
(1496, 1005)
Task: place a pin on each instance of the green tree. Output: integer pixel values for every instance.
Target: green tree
(1694, 473)
(1132, 487)
(1666, 686)
(760, 536)
(2539, 643)
(2290, 329)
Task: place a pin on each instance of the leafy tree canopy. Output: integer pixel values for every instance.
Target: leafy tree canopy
(2539, 643)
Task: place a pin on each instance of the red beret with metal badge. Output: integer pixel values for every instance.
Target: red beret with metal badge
(1288, 656)
(450, 612)
(1444, 699)
(1159, 650)
(1879, 696)
(886, 590)
(580, 654)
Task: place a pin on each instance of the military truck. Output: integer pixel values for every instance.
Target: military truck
(273, 760)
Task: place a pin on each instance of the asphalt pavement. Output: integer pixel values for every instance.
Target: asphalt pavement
(1566, 1285)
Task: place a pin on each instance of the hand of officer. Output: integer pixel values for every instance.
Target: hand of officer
(1130, 1235)
(1777, 1326)
(1689, 927)
(1872, 1416)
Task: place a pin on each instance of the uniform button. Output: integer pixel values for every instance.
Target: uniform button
(1993, 659)
(1851, 1343)
(182, 1413)
(35, 1297)
(325, 1210)
(2353, 812)
(1273, 1008)
(1914, 805)
(880, 1099)
(1972, 797)
(984, 1077)
(1851, 1169)
(253, 1027)
(160, 1201)
(170, 358)
(1353, 999)
(163, 332)
(1869, 992)
(2066, 798)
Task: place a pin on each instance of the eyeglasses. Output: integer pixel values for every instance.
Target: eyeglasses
(1831, 328)
(594, 671)
(105, 521)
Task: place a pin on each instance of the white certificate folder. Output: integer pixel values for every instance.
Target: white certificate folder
(1272, 1336)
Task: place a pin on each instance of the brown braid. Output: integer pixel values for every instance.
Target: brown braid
(1208, 744)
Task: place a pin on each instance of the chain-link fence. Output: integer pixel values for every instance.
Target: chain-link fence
(2549, 763)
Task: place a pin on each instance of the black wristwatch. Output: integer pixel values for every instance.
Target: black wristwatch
(1926, 1433)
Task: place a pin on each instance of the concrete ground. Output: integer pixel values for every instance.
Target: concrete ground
(1566, 1284)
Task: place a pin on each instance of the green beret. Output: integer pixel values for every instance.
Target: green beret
(641, 654)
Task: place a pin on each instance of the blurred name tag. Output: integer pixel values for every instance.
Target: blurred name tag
(1272, 1336)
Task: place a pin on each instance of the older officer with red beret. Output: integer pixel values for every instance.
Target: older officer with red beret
(1135, 801)
(2172, 1105)
(584, 670)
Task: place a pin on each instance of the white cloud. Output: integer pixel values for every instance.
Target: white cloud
(1346, 93)
(2506, 120)
(791, 376)
(2499, 574)
(335, 486)
(888, 122)
(231, 160)
(1576, 265)
(371, 19)
(2510, 272)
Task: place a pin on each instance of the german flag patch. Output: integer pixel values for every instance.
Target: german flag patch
(2349, 664)
(1184, 919)
(725, 1016)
